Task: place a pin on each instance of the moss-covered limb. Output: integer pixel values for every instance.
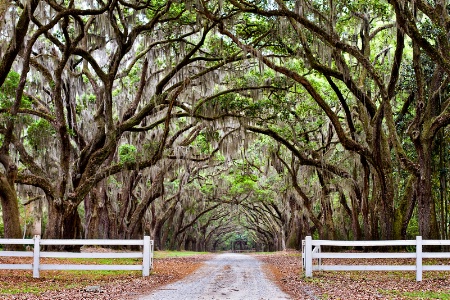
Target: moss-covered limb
(407, 21)
(405, 208)
(10, 207)
(16, 43)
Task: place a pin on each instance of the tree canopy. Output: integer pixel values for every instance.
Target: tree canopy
(225, 124)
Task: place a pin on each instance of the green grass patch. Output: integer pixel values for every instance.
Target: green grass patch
(20, 282)
(104, 261)
(428, 295)
(27, 288)
(94, 275)
(290, 253)
(61, 280)
(167, 254)
(295, 254)
(444, 295)
(315, 280)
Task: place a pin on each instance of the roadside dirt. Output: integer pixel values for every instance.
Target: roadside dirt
(285, 269)
(123, 285)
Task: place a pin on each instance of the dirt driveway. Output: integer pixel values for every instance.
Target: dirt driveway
(227, 276)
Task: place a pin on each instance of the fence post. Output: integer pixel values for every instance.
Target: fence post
(319, 261)
(146, 256)
(308, 256)
(303, 255)
(419, 267)
(152, 251)
(36, 256)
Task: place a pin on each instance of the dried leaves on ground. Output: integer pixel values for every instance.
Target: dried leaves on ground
(19, 284)
(282, 267)
(286, 270)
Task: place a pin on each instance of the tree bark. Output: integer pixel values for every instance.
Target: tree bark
(10, 211)
(16, 44)
(155, 191)
(427, 214)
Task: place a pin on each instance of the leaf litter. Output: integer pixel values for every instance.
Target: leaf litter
(19, 284)
(285, 268)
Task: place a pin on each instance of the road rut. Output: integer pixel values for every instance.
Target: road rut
(228, 276)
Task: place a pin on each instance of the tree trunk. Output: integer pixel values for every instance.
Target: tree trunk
(386, 187)
(427, 215)
(97, 222)
(34, 211)
(155, 191)
(53, 229)
(113, 231)
(443, 185)
(10, 211)
(365, 199)
(104, 226)
(374, 220)
(404, 210)
(72, 228)
(295, 229)
(283, 239)
(91, 214)
(63, 223)
(156, 235)
(165, 233)
(72, 225)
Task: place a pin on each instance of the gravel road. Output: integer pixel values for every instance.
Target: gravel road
(227, 276)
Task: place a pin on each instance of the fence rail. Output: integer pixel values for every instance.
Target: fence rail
(311, 250)
(36, 254)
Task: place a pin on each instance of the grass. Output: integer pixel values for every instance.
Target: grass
(444, 295)
(22, 282)
(289, 253)
(168, 254)
(105, 261)
(18, 282)
(13, 282)
(313, 279)
(59, 280)
(294, 254)
(93, 275)
(428, 295)
(27, 288)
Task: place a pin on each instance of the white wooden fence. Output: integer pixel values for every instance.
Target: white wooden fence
(36, 254)
(311, 250)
